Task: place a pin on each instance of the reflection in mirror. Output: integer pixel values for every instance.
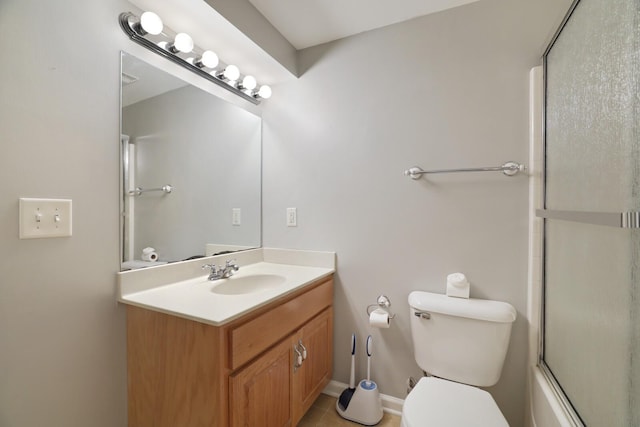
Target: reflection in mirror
(191, 167)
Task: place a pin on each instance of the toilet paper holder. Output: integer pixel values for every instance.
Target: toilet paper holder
(384, 303)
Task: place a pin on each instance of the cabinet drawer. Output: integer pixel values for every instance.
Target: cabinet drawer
(252, 338)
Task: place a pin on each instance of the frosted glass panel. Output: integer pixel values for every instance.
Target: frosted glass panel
(592, 109)
(592, 301)
(588, 318)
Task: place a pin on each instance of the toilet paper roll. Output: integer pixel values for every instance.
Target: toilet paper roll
(148, 250)
(151, 256)
(379, 318)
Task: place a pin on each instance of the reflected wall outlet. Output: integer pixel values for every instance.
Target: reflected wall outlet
(292, 217)
(40, 218)
(236, 218)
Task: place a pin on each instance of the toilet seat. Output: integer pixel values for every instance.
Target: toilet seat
(435, 402)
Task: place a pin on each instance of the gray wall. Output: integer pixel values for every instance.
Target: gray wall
(62, 356)
(443, 91)
(62, 335)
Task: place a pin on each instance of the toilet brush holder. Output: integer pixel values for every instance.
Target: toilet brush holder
(362, 404)
(365, 406)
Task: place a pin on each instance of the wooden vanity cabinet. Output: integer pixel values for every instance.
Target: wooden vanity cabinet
(273, 391)
(186, 373)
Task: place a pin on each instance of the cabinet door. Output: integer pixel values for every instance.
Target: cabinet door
(259, 395)
(315, 373)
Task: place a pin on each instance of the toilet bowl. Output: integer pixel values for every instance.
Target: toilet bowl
(441, 403)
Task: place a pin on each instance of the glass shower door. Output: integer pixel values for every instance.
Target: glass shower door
(591, 325)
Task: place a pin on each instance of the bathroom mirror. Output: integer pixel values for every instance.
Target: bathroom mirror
(190, 172)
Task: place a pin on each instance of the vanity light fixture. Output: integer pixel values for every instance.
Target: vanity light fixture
(181, 43)
(231, 73)
(149, 31)
(264, 92)
(149, 23)
(207, 59)
(248, 83)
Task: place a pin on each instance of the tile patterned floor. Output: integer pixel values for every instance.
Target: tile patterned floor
(323, 414)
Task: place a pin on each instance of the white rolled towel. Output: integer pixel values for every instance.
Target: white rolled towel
(458, 286)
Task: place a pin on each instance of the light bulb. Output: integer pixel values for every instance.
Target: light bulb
(249, 83)
(150, 23)
(208, 59)
(182, 43)
(231, 73)
(264, 92)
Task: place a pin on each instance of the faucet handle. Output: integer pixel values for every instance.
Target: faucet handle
(213, 267)
(232, 263)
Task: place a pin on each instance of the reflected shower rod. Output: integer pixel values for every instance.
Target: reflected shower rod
(508, 168)
(139, 190)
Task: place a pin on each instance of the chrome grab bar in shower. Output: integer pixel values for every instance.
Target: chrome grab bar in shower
(609, 219)
(139, 190)
(508, 168)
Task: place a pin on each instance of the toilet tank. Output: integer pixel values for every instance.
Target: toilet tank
(463, 340)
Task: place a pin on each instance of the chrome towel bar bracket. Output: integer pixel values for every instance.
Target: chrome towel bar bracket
(508, 168)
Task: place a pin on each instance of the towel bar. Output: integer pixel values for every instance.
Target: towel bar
(508, 168)
(139, 190)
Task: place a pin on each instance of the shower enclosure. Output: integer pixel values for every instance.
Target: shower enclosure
(591, 304)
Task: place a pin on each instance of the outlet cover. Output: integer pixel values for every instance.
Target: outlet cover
(236, 216)
(42, 218)
(292, 217)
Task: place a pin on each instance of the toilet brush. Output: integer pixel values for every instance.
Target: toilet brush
(347, 394)
(369, 361)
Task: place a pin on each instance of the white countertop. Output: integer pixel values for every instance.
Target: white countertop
(193, 298)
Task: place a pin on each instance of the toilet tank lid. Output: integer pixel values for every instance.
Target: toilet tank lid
(472, 308)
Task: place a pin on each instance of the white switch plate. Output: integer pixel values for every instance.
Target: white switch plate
(40, 218)
(292, 217)
(236, 216)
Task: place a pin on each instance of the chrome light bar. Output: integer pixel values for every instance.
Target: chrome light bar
(149, 31)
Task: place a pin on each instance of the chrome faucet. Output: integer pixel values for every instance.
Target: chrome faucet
(222, 272)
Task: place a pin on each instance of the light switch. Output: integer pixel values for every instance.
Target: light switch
(236, 218)
(40, 218)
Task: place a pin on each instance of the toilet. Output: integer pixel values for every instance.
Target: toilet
(461, 344)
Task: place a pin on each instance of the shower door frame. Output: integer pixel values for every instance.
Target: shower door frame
(555, 386)
(619, 219)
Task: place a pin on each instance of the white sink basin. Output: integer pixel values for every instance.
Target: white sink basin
(249, 284)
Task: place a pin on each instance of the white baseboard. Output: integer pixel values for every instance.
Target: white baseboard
(390, 404)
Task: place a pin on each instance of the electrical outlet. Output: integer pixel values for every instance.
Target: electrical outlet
(40, 218)
(292, 217)
(236, 218)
